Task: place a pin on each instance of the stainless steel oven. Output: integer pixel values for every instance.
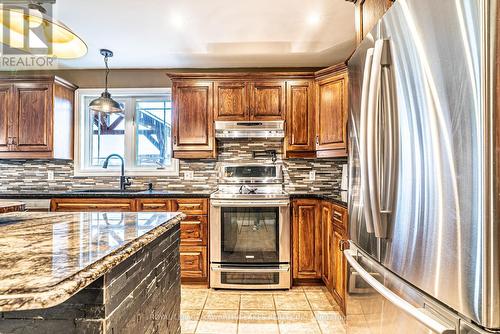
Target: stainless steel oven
(250, 234)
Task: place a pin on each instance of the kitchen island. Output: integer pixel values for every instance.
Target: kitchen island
(90, 272)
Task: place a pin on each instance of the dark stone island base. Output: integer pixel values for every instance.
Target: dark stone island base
(139, 295)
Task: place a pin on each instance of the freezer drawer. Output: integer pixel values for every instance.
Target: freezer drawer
(388, 305)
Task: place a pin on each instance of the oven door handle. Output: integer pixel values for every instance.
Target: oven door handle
(280, 269)
(250, 203)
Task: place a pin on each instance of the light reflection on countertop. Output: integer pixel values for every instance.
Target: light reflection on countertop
(47, 257)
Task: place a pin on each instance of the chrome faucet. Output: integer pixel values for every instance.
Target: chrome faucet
(124, 181)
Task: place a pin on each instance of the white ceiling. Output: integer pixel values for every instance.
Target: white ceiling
(211, 33)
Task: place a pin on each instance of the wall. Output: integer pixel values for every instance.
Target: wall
(27, 175)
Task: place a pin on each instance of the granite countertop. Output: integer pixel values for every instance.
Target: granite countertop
(92, 193)
(331, 198)
(4, 205)
(45, 258)
(44, 194)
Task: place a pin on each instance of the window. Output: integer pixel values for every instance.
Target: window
(142, 135)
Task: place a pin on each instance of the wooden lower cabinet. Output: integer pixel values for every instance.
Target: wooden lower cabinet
(306, 235)
(193, 230)
(338, 261)
(327, 268)
(92, 204)
(339, 265)
(193, 263)
(319, 233)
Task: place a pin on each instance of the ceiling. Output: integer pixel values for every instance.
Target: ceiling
(216, 33)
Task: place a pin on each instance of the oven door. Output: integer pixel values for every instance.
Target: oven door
(249, 232)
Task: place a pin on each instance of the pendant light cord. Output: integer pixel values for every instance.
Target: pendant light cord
(107, 72)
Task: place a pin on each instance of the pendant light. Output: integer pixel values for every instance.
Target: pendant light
(105, 103)
(17, 22)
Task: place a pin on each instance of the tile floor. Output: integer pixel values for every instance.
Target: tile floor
(301, 310)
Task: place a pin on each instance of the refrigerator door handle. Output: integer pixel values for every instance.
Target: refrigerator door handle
(389, 160)
(373, 140)
(363, 141)
(421, 315)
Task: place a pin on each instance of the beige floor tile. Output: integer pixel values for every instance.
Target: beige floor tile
(257, 322)
(297, 322)
(257, 302)
(331, 321)
(291, 302)
(217, 301)
(218, 322)
(193, 299)
(319, 301)
(357, 324)
(189, 320)
(314, 288)
(354, 307)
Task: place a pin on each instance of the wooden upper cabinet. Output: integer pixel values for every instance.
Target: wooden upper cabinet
(306, 240)
(32, 117)
(331, 114)
(5, 96)
(36, 120)
(368, 12)
(230, 101)
(300, 127)
(267, 100)
(193, 120)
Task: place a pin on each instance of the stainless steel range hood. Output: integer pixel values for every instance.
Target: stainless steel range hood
(272, 130)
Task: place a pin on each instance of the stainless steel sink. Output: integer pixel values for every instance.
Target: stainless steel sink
(112, 191)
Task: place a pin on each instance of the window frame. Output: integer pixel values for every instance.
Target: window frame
(130, 146)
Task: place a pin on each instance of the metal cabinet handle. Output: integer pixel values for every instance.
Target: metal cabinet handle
(281, 268)
(417, 313)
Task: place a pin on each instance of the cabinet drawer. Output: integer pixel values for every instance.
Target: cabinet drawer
(191, 206)
(153, 205)
(194, 230)
(96, 204)
(193, 261)
(339, 217)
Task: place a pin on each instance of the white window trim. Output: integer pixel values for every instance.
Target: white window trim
(173, 170)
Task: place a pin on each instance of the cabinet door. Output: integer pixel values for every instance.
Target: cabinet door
(327, 243)
(193, 119)
(32, 117)
(300, 116)
(306, 240)
(267, 101)
(331, 116)
(5, 113)
(340, 267)
(193, 262)
(230, 101)
(368, 12)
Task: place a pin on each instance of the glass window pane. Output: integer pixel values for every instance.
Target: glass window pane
(107, 136)
(153, 132)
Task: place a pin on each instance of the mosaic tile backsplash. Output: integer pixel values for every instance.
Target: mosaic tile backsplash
(27, 175)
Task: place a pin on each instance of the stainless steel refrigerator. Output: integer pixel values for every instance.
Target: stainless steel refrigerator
(423, 171)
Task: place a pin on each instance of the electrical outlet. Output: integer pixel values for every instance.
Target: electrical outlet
(189, 175)
(312, 175)
(50, 175)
